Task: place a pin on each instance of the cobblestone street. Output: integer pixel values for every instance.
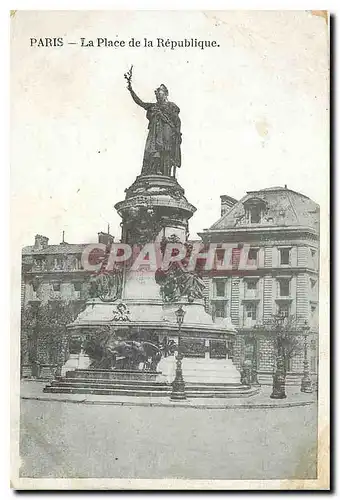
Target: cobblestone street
(68, 440)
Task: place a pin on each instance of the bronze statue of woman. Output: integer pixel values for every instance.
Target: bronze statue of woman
(162, 154)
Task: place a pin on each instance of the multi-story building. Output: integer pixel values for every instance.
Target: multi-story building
(53, 275)
(54, 272)
(274, 271)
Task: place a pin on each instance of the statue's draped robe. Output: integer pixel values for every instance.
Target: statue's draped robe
(163, 144)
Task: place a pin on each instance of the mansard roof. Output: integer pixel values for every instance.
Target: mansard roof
(63, 248)
(283, 207)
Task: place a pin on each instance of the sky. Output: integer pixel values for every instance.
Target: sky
(254, 112)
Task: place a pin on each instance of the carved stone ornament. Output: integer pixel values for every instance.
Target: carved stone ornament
(177, 281)
(106, 286)
(121, 313)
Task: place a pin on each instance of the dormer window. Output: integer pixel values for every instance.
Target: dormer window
(255, 215)
(58, 263)
(40, 262)
(255, 209)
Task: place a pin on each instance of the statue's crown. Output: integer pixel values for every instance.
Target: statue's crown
(164, 88)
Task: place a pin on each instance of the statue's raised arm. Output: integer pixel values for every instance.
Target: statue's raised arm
(145, 105)
(128, 78)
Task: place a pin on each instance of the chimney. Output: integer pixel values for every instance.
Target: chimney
(40, 242)
(105, 238)
(226, 203)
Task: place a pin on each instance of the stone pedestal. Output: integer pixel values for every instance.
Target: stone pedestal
(201, 371)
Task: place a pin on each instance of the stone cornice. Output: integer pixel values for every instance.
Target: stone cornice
(260, 272)
(259, 233)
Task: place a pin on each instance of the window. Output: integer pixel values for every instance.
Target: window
(220, 310)
(235, 257)
(255, 208)
(312, 284)
(78, 263)
(283, 310)
(252, 256)
(313, 254)
(40, 262)
(284, 256)
(77, 286)
(313, 366)
(255, 214)
(251, 311)
(220, 255)
(58, 263)
(251, 284)
(284, 287)
(56, 287)
(220, 288)
(313, 312)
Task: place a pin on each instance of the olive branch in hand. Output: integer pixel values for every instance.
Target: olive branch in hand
(128, 76)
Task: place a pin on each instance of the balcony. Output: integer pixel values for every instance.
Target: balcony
(217, 298)
(283, 298)
(249, 322)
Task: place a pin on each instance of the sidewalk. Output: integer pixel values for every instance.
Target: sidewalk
(33, 390)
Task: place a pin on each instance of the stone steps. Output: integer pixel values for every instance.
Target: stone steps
(134, 383)
(96, 384)
(208, 393)
(69, 385)
(139, 385)
(291, 379)
(104, 391)
(130, 375)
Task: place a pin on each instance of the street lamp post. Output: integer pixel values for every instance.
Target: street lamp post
(254, 366)
(178, 385)
(279, 378)
(306, 382)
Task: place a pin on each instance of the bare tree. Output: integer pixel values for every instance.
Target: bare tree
(286, 332)
(44, 336)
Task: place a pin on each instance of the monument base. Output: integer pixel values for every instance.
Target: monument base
(204, 378)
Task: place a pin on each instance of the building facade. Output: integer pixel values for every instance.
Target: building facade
(274, 272)
(52, 276)
(55, 272)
